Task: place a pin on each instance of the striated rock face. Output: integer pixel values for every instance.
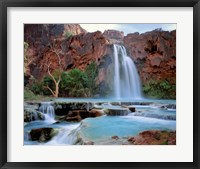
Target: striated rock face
(80, 50)
(154, 54)
(74, 29)
(114, 36)
(76, 50)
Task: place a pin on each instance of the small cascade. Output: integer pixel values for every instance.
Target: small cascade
(66, 136)
(34, 115)
(48, 110)
(126, 78)
(88, 106)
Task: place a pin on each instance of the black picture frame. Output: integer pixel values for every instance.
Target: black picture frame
(4, 4)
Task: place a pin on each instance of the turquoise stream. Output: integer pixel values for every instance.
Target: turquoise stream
(100, 130)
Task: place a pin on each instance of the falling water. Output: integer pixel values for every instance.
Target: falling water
(48, 110)
(34, 116)
(66, 136)
(126, 78)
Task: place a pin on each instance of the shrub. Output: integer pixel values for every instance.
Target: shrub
(91, 72)
(37, 87)
(47, 81)
(160, 89)
(75, 83)
(29, 95)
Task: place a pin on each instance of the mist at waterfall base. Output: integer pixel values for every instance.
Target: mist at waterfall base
(100, 130)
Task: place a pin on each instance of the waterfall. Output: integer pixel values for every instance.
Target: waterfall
(126, 78)
(34, 115)
(48, 110)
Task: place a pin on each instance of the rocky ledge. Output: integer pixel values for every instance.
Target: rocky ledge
(154, 137)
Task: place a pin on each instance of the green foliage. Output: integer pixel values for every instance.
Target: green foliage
(37, 87)
(47, 81)
(165, 142)
(76, 83)
(160, 89)
(56, 73)
(91, 72)
(67, 34)
(29, 95)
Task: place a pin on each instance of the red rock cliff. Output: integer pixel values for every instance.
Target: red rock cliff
(154, 54)
(76, 51)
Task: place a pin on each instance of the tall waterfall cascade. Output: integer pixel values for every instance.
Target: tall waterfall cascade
(48, 110)
(126, 78)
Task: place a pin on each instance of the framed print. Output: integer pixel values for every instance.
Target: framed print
(99, 84)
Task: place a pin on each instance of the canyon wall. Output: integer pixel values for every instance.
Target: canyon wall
(154, 53)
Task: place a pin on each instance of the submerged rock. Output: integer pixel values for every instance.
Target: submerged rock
(131, 108)
(118, 111)
(169, 106)
(78, 115)
(63, 108)
(115, 137)
(42, 134)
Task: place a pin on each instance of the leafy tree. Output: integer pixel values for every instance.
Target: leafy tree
(76, 83)
(91, 72)
(47, 81)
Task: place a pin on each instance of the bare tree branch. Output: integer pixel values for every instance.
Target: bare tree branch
(58, 53)
(54, 94)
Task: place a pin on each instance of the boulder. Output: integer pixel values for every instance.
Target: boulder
(96, 112)
(42, 134)
(74, 118)
(131, 108)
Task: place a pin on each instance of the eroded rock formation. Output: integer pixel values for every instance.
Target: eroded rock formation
(154, 54)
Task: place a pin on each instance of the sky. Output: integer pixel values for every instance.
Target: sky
(128, 28)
